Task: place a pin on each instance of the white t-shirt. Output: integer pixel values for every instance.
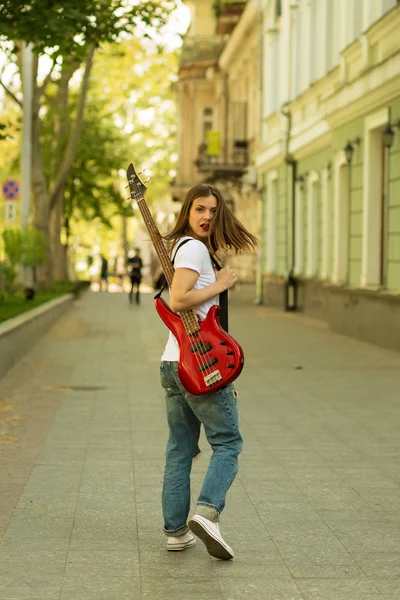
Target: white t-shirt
(192, 255)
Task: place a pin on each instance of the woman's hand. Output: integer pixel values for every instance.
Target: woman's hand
(226, 278)
(184, 297)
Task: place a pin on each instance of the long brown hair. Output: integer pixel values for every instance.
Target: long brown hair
(226, 231)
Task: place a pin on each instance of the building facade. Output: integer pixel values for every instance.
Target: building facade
(295, 114)
(329, 163)
(219, 110)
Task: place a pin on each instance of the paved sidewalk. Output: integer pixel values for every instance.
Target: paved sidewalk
(312, 515)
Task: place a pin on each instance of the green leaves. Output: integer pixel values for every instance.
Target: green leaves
(68, 26)
(26, 247)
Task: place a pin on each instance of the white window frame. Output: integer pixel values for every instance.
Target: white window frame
(312, 224)
(326, 225)
(371, 239)
(299, 231)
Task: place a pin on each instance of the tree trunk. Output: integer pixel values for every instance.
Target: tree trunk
(62, 127)
(58, 252)
(41, 199)
(72, 145)
(68, 138)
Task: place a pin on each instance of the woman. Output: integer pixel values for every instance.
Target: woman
(210, 227)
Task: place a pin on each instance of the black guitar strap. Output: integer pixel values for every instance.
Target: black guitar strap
(172, 261)
(223, 301)
(223, 297)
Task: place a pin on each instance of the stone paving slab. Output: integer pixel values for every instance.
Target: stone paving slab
(312, 515)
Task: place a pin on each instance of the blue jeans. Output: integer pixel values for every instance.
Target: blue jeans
(218, 413)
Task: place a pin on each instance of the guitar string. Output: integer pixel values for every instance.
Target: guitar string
(199, 343)
(205, 369)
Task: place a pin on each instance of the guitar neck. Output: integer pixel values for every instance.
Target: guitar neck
(189, 317)
(157, 240)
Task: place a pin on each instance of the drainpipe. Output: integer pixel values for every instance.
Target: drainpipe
(286, 113)
(289, 160)
(226, 108)
(291, 284)
(292, 163)
(261, 254)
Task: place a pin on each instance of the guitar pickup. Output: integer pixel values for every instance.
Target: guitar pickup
(207, 364)
(200, 347)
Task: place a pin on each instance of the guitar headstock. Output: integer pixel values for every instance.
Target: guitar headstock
(136, 186)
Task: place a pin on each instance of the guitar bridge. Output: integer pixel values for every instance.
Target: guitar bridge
(212, 378)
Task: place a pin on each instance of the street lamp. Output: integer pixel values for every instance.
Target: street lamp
(290, 291)
(349, 149)
(301, 181)
(348, 152)
(329, 168)
(388, 136)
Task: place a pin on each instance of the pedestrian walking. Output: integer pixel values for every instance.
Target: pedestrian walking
(204, 228)
(104, 273)
(135, 265)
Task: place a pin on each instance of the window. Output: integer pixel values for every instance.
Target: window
(383, 258)
(272, 194)
(374, 200)
(312, 224)
(341, 221)
(299, 224)
(326, 223)
(208, 121)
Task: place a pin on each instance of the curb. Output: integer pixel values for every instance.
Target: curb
(19, 334)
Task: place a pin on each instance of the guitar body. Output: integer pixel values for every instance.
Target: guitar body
(209, 359)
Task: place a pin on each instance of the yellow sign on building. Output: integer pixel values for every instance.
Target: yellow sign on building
(213, 139)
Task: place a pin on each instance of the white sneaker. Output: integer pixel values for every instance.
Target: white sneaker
(210, 535)
(181, 543)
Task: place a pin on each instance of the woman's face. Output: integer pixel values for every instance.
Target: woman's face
(201, 212)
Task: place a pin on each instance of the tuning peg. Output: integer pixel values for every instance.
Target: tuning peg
(148, 180)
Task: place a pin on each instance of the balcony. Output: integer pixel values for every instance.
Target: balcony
(201, 48)
(217, 167)
(228, 14)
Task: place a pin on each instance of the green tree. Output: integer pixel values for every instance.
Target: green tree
(25, 247)
(68, 34)
(138, 90)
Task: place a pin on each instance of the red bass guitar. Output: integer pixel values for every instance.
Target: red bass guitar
(209, 358)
